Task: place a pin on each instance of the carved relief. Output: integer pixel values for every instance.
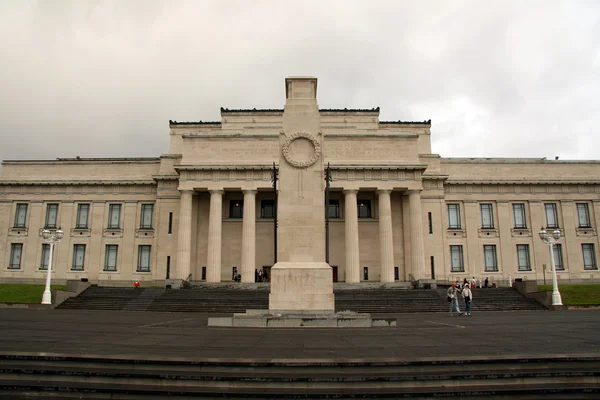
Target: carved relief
(294, 156)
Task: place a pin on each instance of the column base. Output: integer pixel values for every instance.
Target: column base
(301, 286)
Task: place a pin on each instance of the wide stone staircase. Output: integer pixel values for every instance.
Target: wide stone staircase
(56, 376)
(230, 299)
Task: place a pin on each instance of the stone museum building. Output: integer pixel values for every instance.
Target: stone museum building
(206, 209)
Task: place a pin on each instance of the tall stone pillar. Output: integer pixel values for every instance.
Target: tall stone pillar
(215, 220)
(184, 235)
(249, 236)
(386, 243)
(351, 226)
(416, 231)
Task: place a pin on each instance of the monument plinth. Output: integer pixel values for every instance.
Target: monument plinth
(301, 280)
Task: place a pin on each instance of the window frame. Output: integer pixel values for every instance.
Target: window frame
(334, 205)
(488, 207)
(558, 257)
(586, 209)
(111, 210)
(74, 265)
(143, 212)
(234, 209)
(554, 210)
(141, 248)
(13, 253)
(107, 250)
(492, 248)
(47, 223)
(527, 267)
(364, 209)
(592, 252)
(450, 210)
(461, 267)
(21, 206)
(267, 204)
(522, 213)
(80, 207)
(45, 254)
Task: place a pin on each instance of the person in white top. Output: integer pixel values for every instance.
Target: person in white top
(467, 294)
(473, 283)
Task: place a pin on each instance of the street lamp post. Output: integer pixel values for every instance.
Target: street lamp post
(51, 238)
(551, 239)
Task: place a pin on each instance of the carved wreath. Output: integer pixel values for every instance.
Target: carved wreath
(296, 163)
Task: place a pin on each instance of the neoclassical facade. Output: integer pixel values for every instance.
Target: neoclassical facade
(205, 211)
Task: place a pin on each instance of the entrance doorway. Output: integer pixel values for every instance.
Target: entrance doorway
(334, 269)
(266, 270)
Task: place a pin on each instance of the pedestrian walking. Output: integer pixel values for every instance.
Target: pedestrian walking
(467, 294)
(452, 294)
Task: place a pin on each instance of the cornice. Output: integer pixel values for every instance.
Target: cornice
(195, 123)
(373, 135)
(262, 111)
(200, 167)
(436, 177)
(426, 122)
(490, 160)
(171, 156)
(75, 183)
(378, 167)
(229, 135)
(86, 161)
(165, 177)
(522, 182)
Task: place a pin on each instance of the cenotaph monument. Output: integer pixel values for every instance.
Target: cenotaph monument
(301, 280)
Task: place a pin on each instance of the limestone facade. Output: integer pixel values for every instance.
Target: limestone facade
(204, 210)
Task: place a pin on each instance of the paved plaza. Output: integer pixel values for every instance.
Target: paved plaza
(186, 335)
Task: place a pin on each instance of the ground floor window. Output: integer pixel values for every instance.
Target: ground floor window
(143, 258)
(589, 257)
(45, 256)
(558, 257)
(110, 261)
(78, 257)
(16, 250)
(456, 258)
(489, 257)
(523, 257)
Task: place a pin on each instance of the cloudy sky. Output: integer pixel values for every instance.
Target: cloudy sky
(102, 78)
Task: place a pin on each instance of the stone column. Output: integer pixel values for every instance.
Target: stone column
(386, 244)
(213, 262)
(184, 235)
(352, 249)
(249, 236)
(416, 230)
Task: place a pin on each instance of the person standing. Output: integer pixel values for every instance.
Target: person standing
(473, 283)
(467, 294)
(452, 294)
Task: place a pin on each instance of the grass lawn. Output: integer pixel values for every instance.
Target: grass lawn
(576, 294)
(16, 293)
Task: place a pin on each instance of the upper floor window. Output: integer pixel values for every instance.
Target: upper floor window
(236, 209)
(523, 257)
(146, 216)
(333, 209)
(489, 257)
(78, 257)
(519, 216)
(364, 209)
(143, 258)
(16, 250)
(589, 256)
(51, 215)
(456, 259)
(45, 256)
(21, 215)
(487, 216)
(551, 215)
(110, 257)
(267, 209)
(83, 212)
(454, 216)
(558, 256)
(114, 216)
(583, 214)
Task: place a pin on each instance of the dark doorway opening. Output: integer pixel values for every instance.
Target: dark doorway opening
(334, 270)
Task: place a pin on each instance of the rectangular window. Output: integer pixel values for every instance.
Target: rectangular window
(456, 259)
(551, 215)
(236, 209)
(114, 216)
(45, 256)
(364, 208)
(78, 257)
(143, 264)
(333, 210)
(51, 215)
(583, 215)
(519, 215)
(110, 259)
(558, 257)
(487, 216)
(489, 257)
(589, 256)
(267, 209)
(16, 250)
(523, 257)
(429, 218)
(170, 223)
(147, 216)
(454, 216)
(83, 212)
(21, 215)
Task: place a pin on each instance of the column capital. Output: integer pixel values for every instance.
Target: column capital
(350, 191)
(384, 191)
(186, 191)
(216, 191)
(249, 191)
(413, 191)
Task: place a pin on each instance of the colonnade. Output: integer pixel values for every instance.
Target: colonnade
(352, 267)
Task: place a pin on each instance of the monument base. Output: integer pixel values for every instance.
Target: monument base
(301, 286)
